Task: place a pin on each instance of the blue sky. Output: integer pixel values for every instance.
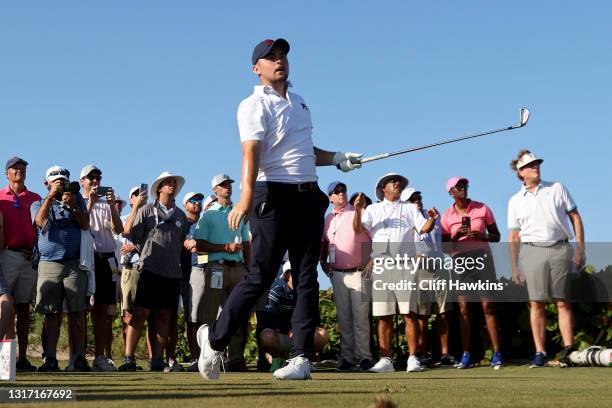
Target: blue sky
(140, 87)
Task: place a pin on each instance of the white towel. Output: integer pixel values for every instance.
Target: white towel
(86, 260)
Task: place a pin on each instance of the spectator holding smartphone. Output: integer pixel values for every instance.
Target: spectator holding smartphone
(104, 221)
(470, 225)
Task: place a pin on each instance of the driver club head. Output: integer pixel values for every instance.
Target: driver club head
(524, 116)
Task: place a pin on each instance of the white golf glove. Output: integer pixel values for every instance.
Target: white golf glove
(347, 161)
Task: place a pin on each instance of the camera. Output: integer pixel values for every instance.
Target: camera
(66, 186)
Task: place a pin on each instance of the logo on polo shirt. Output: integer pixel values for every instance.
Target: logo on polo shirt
(304, 106)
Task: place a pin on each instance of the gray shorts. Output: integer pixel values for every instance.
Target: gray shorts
(19, 275)
(4, 290)
(59, 280)
(548, 271)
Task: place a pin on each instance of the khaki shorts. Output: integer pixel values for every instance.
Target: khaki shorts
(20, 276)
(548, 271)
(129, 283)
(434, 299)
(59, 280)
(386, 299)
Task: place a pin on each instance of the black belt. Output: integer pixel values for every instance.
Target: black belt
(347, 270)
(535, 244)
(16, 249)
(104, 255)
(228, 263)
(301, 187)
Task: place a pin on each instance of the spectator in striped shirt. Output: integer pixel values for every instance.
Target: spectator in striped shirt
(276, 337)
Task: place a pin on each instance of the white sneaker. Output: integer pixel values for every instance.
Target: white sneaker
(101, 364)
(414, 365)
(209, 363)
(298, 368)
(111, 362)
(384, 365)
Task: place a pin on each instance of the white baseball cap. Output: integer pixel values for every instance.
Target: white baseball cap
(180, 182)
(526, 159)
(209, 199)
(220, 178)
(88, 169)
(190, 195)
(133, 190)
(407, 193)
(57, 172)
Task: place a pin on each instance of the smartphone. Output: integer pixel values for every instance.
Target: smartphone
(102, 191)
(465, 222)
(143, 187)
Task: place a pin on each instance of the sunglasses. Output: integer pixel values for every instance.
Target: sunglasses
(339, 190)
(195, 201)
(92, 177)
(462, 185)
(16, 203)
(60, 173)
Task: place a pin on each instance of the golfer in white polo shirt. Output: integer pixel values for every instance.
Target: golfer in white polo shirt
(539, 217)
(285, 207)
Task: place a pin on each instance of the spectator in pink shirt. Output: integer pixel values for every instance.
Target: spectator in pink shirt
(470, 225)
(344, 255)
(16, 252)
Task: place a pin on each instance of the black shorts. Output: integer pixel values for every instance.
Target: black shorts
(157, 292)
(481, 269)
(106, 288)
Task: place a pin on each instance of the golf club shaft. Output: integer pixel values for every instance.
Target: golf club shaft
(414, 149)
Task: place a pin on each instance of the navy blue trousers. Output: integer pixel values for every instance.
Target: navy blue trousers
(281, 219)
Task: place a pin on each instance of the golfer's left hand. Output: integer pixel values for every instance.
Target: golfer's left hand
(347, 161)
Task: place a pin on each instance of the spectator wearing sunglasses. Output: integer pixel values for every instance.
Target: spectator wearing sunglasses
(105, 221)
(16, 252)
(469, 226)
(344, 255)
(228, 252)
(59, 219)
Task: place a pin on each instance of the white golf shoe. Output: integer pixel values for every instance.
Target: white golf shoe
(384, 365)
(414, 365)
(298, 368)
(209, 363)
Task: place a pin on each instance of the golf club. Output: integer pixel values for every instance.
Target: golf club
(523, 121)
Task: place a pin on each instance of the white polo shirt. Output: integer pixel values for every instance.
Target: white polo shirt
(542, 216)
(100, 225)
(284, 127)
(392, 226)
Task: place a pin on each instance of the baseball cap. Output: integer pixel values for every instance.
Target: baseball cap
(119, 199)
(407, 193)
(13, 161)
(526, 159)
(88, 169)
(190, 195)
(135, 189)
(57, 172)
(209, 199)
(332, 186)
(452, 182)
(263, 48)
(220, 178)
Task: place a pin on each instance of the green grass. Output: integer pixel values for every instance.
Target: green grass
(513, 386)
